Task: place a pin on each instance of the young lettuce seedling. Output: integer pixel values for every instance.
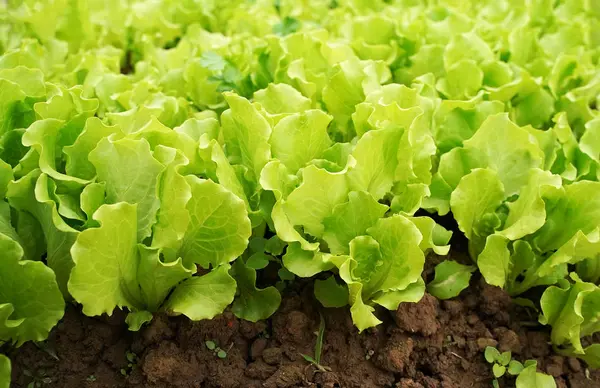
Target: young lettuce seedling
(527, 374)
(210, 345)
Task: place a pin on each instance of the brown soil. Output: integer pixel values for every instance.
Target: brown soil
(431, 344)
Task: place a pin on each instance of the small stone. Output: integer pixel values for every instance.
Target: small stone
(483, 343)
(508, 341)
(472, 319)
(574, 364)
(555, 366)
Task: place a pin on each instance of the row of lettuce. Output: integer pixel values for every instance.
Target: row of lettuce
(160, 162)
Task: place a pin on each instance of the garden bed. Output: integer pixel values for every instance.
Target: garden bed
(283, 193)
(429, 344)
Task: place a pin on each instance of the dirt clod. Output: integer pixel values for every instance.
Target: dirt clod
(483, 343)
(396, 355)
(508, 340)
(272, 356)
(419, 317)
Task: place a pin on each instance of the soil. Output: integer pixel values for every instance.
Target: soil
(432, 344)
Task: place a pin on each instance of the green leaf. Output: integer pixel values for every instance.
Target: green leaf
(478, 194)
(504, 358)
(498, 370)
(131, 175)
(6, 175)
(92, 197)
(515, 368)
(246, 133)
(30, 300)
(284, 274)
(106, 262)
(203, 297)
(219, 226)
(309, 359)
(33, 194)
(5, 376)
(287, 26)
(403, 260)
(137, 319)
(529, 377)
(435, 237)
(252, 304)
(282, 99)
(491, 354)
(392, 299)
(258, 261)
(450, 279)
(528, 213)
(319, 192)
(577, 210)
(494, 261)
(157, 278)
(48, 137)
(31, 237)
(566, 310)
(376, 155)
(590, 140)
(210, 345)
(366, 253)
(212, 61)
(351, 219)
(306, 263)
(508, 149)
(276, 178)
(300, 138)
(331, 294)
(172, 218)
(463, 80)
(362, 314)
(275, 246)
(78, 164)
(591, 355)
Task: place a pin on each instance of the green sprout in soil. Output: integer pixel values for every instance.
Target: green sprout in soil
(212, 346)
(132, 360)
(526, 372)
(316, 360)
(39, 378)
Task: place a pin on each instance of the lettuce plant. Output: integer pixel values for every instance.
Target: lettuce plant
(4, 371)
(571, 309)
(158, 155)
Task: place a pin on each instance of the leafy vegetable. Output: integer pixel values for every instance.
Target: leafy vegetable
(159, 155)
(31, 303)
(527, 375)
(450, 279)
(571, 309)
(530, 377)
(4, 371)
